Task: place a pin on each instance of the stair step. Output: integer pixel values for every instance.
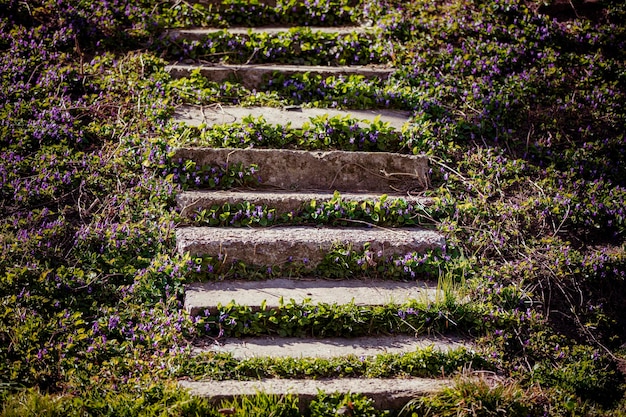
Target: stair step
(207, 295)
(282, 202)
(196, 34)
(278, 245)
(374, 172)
(255, 76)
(296, 118)
(386, 393)
(276, 347)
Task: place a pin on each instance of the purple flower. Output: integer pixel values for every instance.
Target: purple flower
(113, 322)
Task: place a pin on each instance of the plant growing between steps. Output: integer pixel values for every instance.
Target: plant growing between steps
(494, 398)
(320, 132)
(329, 405)
(257, 13)
(300, 46)
(339, 262)
(261, 405)
(315, 90)
(384, 211)
(189, 175)
(424, 363)
(324, 320)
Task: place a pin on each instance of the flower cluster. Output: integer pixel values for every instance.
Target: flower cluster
(189, 174)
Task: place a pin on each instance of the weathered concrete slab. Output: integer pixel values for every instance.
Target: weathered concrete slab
(278, 245)
(277, 347)
(254, 76)
(283, 202)
(386, 393)
(196, 34)
(374, 172)
(207, 295)
(296, 118)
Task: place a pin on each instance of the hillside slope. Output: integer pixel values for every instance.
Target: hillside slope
(516, 106)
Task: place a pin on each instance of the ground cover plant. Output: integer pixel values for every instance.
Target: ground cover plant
(353, 91)
(296, 46)
(322, 132)
(383, 211)
(256, 13)
(518, 104)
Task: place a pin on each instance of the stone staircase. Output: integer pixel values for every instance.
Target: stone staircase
(291, 179)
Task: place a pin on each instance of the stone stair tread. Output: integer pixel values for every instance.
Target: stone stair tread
(278, 245)
(386, 393)
(376, 172)
(281, 201)
(215, 115)
(200, 33)
(277, 347)
(254, 76)
(367, 292)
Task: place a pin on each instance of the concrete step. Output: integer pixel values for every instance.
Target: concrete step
(197, 34)
(369, 172)
(279, 245)
(256, 76)
(295, 117)
(386, 393)
(283, 202)
(276, 347)
(208, 295)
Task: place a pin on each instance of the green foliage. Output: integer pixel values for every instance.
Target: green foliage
(425, 363)
(520, 111)
(330, 405)
(189, 175)
(384, 211)
(583, 372)
(339, 262)
(262, 405)
(477, 397)
(257, 13)
(301, 46)
(153, 400)
(446, 313)
(320, 132)
(311, 89)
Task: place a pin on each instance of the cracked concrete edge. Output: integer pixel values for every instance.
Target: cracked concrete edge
(288, 169)
(281, 245)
